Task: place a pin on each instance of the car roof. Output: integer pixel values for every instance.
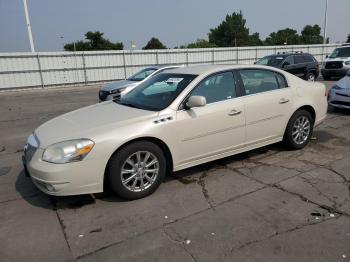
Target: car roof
(208, 69)
(289, 54)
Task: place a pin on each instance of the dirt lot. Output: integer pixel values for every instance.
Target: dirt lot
(264, 205)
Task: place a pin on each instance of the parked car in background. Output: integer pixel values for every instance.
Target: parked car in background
(300, 64)
(337, 64)
(339, 95)
(174, 120)
(116, 89)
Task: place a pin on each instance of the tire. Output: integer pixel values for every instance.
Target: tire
(134, 170)
(310, 77)
(300, 139)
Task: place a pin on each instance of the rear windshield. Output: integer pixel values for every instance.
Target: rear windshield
(270, 60)
(341, 52)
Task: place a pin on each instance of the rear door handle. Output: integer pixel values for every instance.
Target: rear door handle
(234, 112)
(283, 100)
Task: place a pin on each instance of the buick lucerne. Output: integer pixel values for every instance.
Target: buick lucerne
(172, 121)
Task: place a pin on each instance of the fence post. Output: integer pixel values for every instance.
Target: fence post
(124, 64)
(256, 54)
(212, 56)
(84, 68)
(40, 71)
(157, 58)
(187, 57)
(237, 60)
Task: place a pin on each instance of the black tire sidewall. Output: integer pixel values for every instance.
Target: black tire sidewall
(115, 166)
(288, 138)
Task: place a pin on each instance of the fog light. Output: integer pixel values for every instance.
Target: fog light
(50, 187)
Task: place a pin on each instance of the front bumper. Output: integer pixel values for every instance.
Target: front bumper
(338, 100)
(76, 178)
(335, 72)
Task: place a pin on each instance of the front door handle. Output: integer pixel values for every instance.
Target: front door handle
(234, 112)
(283, 100)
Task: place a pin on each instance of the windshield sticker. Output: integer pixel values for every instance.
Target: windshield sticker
(174, 80)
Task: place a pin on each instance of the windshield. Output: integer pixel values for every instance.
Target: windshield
(158, 92)
(139, 76)
(340, 52)
(270, 60)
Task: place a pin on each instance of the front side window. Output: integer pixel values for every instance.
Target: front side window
(289, 60)
(258, 81)
(157, 92)
(270, 60)
(139, 76)
(216, 88)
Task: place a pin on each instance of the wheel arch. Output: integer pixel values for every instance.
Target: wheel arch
(309, 109)
(163, 146)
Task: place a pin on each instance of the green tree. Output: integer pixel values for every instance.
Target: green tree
(255, 40)
(201, 43)
(286, 36)
(94, 41)
(232, 32)
(154, 43)
(348, 41)
(311, 35)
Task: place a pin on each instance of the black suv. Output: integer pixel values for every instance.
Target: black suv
(300, 64)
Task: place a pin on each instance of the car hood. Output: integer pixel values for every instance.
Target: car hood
(118, 85)
(344, 83)
(87, 121)
(337, 59)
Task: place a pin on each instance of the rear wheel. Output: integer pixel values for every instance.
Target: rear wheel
(136, 170)
(299, 130)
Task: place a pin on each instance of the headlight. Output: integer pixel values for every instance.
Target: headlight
(68, 151)
(347, 62)
(117, 91)
(336, 87)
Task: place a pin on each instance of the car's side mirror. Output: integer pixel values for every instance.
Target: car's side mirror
(255, 63)
(326, 56)
(195, 101)
(285, 64)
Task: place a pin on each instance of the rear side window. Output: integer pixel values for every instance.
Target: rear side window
(308, 58)
(299, 59)
(258, 81)
(216, 88)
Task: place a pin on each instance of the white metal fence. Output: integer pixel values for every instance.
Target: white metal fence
(42, 69)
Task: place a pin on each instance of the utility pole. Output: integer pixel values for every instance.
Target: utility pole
(325, 24)
(28, 26)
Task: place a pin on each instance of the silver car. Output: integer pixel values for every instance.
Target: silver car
(116, 89)
(338, 63)
(339, 95)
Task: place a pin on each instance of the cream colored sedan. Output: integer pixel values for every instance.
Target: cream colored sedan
(174, 120)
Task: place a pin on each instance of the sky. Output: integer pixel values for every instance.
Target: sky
(174, 22)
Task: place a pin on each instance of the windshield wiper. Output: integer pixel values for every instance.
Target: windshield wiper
(126, 104)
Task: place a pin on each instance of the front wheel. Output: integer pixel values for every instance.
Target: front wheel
(299, 130)
(310, 77)
(136, 170)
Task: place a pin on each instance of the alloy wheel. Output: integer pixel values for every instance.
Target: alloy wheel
(301, 130)
(139, 171)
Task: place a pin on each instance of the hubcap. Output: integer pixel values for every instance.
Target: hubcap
(301, 130)
(311, 78)
(139, 171)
